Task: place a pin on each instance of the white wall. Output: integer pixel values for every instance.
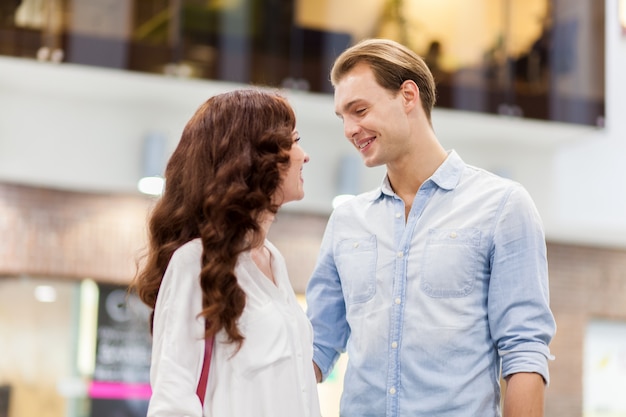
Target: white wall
(589, 181)
(82, 128)
(74, 127)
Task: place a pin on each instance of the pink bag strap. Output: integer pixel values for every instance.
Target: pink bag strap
(206, 365)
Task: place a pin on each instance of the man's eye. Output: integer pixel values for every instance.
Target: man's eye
(297, 139)
(360, 110)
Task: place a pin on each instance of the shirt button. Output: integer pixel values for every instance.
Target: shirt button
(356, 244)
(397, 300)
(453, 235)
(394, 345)
(400, 254)
(398, 215)
(392, 390)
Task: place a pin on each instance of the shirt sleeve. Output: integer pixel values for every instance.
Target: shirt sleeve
(521, 322)
(326, 307)
(178, 343)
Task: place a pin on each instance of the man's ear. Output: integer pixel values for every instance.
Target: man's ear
(410, 94)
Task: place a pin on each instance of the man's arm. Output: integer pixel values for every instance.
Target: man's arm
(524, 395)
(520, 318)
(326, 308)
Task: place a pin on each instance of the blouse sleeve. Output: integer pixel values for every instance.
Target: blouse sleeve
(178, 339)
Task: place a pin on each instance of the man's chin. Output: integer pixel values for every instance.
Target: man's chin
(372, 163)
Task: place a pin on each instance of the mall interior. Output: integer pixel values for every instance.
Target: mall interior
(94, 95)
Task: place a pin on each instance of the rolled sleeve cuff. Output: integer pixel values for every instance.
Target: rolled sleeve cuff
(325, 359)
(529, 357)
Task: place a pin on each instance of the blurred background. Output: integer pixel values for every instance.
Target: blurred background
(94, 95)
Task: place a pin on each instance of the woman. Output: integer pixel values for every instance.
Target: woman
(208, 261)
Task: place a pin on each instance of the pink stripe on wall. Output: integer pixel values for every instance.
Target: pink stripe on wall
(119, 390)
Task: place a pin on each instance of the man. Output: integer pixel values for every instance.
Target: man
(435, 283)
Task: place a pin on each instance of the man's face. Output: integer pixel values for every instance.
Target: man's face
(374, 119)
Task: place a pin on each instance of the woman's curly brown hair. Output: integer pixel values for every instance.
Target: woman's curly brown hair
(219, 183)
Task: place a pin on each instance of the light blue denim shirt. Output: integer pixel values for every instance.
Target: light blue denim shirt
(432, 309)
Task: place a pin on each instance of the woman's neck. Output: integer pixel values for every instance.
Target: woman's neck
(266, 222)
(261, 255)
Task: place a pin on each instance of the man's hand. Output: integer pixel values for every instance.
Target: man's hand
(318, 373)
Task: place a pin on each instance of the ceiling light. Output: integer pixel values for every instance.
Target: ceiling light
(153, 164)
(151, 185)
(45, 294)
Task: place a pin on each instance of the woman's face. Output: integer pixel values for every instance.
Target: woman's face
(292, 185)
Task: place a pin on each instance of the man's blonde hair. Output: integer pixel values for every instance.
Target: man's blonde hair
(392, 64)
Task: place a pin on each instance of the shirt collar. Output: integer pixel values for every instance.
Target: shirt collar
(447, 177)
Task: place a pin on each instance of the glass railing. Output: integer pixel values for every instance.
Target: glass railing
(537, 59)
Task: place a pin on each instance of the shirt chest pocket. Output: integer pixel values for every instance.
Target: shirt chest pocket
(450, 262)
(356, 264)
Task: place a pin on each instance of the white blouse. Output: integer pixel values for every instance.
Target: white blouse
(272, 375)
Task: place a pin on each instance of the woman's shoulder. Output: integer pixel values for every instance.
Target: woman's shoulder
(189, 254)
(193, 247)
(178, 281)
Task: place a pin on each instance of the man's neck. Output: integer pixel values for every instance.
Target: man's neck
(407, 176)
